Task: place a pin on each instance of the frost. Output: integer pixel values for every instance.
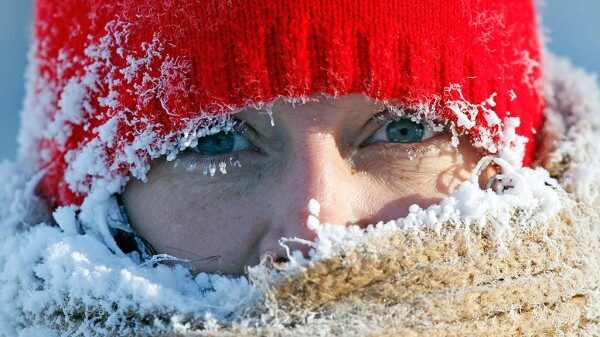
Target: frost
(314, 207)
(96, 167)
(498, 136)
(108, 131)
(66, 218)
(512, 145)
(467, 112)
(223, 167)
(531, 65)
(38, 102)
(573, 137)
(212, 168)
(134, 65)
(312, 222)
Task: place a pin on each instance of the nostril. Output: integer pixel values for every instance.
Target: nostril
(281, 259)
(276, 257)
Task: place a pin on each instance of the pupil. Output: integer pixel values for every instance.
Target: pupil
(405, 131)
(218, 143)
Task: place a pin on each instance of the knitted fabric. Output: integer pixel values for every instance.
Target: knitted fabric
(114, 84)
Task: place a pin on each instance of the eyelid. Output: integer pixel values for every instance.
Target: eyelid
(261, 144)
(245, 130)
(373, 125)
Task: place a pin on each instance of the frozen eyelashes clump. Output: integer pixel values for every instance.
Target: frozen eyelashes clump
(223, 167)
(210, 166)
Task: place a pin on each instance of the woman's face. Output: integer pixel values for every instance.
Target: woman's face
(360, 162)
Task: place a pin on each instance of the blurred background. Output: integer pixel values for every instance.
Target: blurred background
(573, 27)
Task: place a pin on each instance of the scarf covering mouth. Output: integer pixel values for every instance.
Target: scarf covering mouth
(524, 261)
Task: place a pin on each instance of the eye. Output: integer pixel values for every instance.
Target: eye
(401, 130)
(222, 143)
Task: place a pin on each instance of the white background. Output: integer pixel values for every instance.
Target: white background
(572, 25)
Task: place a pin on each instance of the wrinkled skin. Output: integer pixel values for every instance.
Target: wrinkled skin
(314, 150)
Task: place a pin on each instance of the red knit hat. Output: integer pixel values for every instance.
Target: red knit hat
(113, 84)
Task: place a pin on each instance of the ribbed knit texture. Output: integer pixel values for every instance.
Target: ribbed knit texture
(214, 56)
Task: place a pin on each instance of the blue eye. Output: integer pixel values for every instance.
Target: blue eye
(402, 130)
(222, 143)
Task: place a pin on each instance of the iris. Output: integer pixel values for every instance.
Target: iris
(215, 144)
(405, 130)
(401, 130)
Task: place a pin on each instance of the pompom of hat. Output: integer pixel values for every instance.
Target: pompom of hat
(114, 84)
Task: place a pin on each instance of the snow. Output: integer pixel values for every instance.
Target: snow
(502, 140)
(573, 137)
(67, 219)
(314, 207)
(34, 106)
(312, 222)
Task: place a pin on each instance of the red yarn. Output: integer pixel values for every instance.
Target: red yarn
(212, 55)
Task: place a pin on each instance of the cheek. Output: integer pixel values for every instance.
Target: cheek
(395, 185)
(180, 216)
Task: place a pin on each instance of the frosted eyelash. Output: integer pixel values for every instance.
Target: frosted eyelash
(210, 166)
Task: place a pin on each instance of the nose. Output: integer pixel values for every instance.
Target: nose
(314, 169)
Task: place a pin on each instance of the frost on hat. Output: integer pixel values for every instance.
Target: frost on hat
(113, 84)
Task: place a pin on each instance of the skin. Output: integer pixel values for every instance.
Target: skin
(313, 151)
